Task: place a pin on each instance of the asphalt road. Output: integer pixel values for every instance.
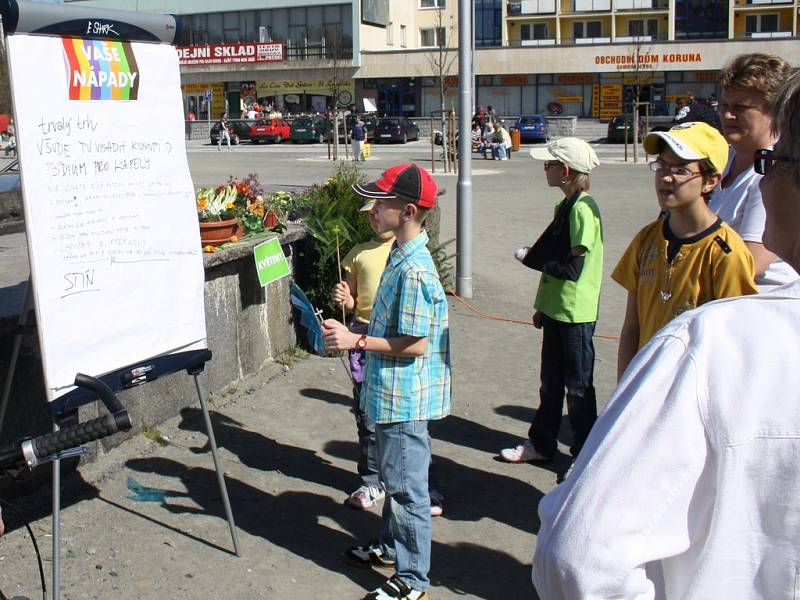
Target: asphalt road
(147, 521)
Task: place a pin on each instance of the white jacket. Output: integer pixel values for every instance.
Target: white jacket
(689, 484)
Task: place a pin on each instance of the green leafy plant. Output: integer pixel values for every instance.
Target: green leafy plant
(332, 211)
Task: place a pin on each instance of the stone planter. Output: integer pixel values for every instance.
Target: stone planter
(214, 233)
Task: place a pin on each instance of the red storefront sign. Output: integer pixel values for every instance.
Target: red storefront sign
(221, 54)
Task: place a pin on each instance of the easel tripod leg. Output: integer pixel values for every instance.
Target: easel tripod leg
(217, 466)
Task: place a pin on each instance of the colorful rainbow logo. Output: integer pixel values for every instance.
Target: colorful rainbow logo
(100, 70)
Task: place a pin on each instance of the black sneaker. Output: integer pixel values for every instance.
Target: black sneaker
(370, 555)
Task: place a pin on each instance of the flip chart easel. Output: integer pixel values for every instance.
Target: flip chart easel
(114, 249)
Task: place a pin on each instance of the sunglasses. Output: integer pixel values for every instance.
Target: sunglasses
(764, 159)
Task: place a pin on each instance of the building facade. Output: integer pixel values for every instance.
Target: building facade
(570, 57)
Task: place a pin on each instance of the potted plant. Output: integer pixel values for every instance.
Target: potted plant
(216, 211)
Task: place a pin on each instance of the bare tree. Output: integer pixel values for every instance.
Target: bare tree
(5, 81)
(341, 61)
(442, 60)
(641, 73)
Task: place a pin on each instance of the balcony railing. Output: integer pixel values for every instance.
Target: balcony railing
(766, 34)
(531, 7)
(568, 41)
(592, 5)
(538, 7)
(298, 51)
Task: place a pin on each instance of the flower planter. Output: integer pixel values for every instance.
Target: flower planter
(214, 233)
(271, 219)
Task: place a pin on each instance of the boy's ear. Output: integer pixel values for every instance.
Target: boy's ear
(711, 182)
(410, 211)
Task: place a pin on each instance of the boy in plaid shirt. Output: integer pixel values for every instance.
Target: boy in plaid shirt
(407, 379)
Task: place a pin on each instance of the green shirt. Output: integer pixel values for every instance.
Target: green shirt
(577, 301)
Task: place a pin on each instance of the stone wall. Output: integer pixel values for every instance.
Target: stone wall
(247, 326)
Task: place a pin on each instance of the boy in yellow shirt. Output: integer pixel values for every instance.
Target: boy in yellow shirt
(690, 256)
(363, 265)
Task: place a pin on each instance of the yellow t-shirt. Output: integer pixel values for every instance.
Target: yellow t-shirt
(707, 267)
(366, 262)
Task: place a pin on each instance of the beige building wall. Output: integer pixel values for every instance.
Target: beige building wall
(378, 38)
(690, 56)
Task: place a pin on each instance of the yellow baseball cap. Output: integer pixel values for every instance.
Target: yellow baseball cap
(691, 141)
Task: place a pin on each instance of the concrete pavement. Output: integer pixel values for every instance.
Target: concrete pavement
(146, 521)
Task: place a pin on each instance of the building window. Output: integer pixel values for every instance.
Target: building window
(643, 27)
(432, 3)
(403, 36)
(701, 19)
(432, 37)
(587, 29)
(488, 23)
(390, 34)
(534, 31)
(761, 23)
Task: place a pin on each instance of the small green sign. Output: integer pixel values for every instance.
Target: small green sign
(271, 263)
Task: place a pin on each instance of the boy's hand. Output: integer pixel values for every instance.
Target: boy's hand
(338, 336)
(537, 320)
(340, 293)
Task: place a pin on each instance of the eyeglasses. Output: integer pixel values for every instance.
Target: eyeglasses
(764, 159)
(679, 172)
(550, 163)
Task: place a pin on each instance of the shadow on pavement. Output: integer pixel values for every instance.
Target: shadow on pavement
(327, 396)
(473, 494)
(265, 454)
(290, 520)
(526, 415)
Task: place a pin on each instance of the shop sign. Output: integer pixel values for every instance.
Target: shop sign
(319, 87)
(513, 80)
(221, 54)
(706, 76)
(610, 100)
(596, 100)
(648, 60)
(577, 78)
(569, 99)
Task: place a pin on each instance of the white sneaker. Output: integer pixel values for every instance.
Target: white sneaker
(395, 589)
(522, 453)
(366, 496)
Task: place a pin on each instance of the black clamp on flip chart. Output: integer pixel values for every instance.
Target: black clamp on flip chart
(88, 22)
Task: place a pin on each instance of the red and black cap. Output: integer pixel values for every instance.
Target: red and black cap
(406, 182)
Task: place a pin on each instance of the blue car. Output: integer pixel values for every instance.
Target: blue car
(533, 128)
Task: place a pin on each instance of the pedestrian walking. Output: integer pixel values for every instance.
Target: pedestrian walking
(224, 131)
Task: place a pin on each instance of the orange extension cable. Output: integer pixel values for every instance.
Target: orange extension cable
(507, 320)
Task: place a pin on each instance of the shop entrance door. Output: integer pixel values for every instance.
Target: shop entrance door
(390, 101)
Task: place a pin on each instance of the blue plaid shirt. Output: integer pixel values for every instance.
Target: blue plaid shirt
(410, 301)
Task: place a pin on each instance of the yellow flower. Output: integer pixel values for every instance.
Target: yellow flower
(229, 205)
(209, 249)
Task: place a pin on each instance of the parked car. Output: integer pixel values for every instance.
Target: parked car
(533, 128)
(270, 130)
(396, 129)
(315, 128)
(240, 130)
(617, 127)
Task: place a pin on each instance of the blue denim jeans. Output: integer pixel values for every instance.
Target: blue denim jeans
(367, 453)
(567, 362)
(404, 453)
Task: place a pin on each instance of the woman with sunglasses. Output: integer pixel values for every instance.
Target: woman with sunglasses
(750, 83)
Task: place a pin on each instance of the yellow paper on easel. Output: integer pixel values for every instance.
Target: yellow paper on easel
(366, 150)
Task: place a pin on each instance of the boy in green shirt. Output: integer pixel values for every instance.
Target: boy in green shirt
(570, 256)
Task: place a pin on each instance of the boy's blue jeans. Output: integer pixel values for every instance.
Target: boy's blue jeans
(404, 453)
(567, 362)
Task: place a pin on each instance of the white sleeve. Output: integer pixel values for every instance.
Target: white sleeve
(627, 500)
(751, 227)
